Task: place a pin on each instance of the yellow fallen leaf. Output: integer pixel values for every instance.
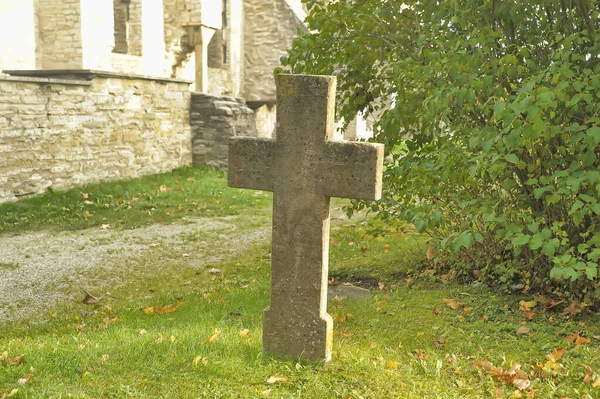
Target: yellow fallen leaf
(525, 306)
(245, 333)
(391, 365)
(277, 378)
(215, 336)
(12, 393)
(200, 360)
(158, 338)
(149, 310)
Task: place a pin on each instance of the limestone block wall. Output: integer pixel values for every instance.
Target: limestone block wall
(62, 133)
(214, 119)
(60, 34)
(17, 34)
(269, 29)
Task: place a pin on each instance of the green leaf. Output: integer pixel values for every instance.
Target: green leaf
(512, 158)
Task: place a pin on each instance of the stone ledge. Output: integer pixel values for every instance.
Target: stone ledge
(25, 79)
(88, 74)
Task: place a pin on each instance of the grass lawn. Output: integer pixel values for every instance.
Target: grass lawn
(185, 333)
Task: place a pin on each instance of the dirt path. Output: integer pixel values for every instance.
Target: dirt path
(42, 269)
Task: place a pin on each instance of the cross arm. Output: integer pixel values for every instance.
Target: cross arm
(353, 170)
(251, 163)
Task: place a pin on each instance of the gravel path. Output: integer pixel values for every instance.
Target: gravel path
(41, 269)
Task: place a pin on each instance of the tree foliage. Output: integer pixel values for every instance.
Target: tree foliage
(490, 110)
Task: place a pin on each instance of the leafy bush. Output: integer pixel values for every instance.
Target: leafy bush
(498, 105)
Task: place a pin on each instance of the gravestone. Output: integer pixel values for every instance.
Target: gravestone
(304, 168)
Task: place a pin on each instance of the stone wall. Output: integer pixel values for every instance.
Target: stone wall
(214, 120)
(60, 34)
(61, 133)
(270, 27)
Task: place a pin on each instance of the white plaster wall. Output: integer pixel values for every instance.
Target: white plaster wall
(97, 34)
(153, 38)
(17, 34)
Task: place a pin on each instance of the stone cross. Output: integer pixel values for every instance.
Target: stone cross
(304, 168)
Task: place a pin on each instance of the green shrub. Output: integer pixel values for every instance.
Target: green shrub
(498, 103)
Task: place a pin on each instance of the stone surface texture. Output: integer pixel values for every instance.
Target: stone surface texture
(215, 119)
(269, 29)
(304, 168)
(62, 133)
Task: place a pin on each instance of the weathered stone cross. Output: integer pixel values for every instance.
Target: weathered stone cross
(303, 168)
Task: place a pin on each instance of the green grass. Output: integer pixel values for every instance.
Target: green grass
(400, 342)
(163, 198)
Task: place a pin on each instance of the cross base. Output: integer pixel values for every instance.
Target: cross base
(298, 337)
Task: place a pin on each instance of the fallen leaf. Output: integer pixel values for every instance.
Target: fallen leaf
(451, 303)
(215, 336)
(16, 361)
(467, 310)
(391, 364)
(158, 338)
(525, 306)
(409, 282)
(245, 333)
(589, 375)
(440, 342)
(277, 378)
(529, 314)
(484, 364)
(436, 310)
(430, 253)
(200, 360)
(12, 393)
(521, 383)
(214, 271)
(556, 355)
(335, 241)
(104, 357)
(149, 310)
(91, 299)
(24, 380)
(523, 330)
(386, 246)
(105, 226)
(164, 188)
(420, 355)
(577, 339)
(574, 308)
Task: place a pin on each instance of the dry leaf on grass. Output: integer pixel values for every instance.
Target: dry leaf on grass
(525, 306)
(91, 299)
(577, 339)
(16, 361)
(277, 378)
(523, 330)
(452, 303)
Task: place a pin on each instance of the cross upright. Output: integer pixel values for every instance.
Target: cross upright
(304, 168)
